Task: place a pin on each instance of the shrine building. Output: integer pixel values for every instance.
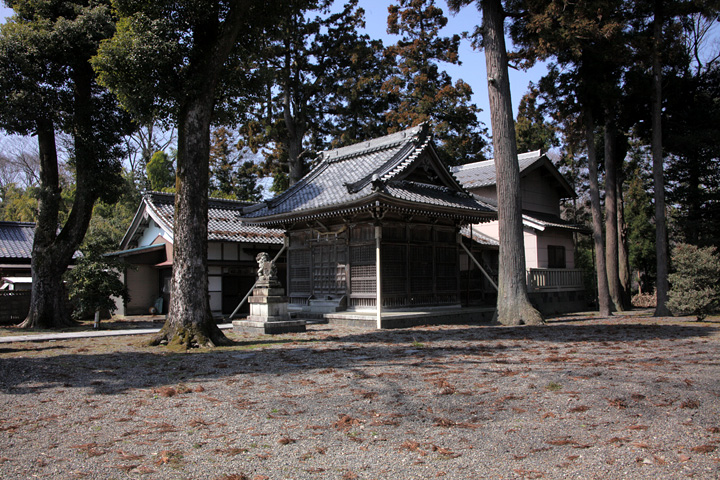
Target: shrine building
(387, 202)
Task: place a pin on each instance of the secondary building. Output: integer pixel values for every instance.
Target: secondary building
(554, 284)
(147, 249)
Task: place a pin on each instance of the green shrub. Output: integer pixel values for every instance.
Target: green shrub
(695, 284)
(95, 280)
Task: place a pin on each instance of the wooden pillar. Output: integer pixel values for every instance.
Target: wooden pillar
(378, 269)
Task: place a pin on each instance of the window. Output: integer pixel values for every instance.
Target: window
(556, 256)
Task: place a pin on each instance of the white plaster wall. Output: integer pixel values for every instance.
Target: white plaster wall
(216, 302)
(531, 253)
(119, 302)
(214, 283)
(215, 290)
(491, 229)
(150, 233)
(557, 237)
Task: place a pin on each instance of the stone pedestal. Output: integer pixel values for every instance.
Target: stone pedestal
(268, 313)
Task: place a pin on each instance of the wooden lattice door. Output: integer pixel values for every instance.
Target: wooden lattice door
(329, 269)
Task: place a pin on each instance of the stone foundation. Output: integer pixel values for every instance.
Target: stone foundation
(268, 314)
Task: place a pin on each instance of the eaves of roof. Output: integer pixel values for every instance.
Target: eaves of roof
(469, 210)
(137, 250)
(224, 222)
(482, 174)
(541, 221)
(387, 172)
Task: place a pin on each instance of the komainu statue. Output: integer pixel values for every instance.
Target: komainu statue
(267, 271)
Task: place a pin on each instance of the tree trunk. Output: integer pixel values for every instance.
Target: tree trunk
(189, 321)
(604, 300)
(623, 251)
(294, 122)
(52, 251)
(513, 307)
(48, 302)
(661, 309)
(611, 217)
(294, 149)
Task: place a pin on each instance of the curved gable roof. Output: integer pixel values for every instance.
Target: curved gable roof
(400, 169)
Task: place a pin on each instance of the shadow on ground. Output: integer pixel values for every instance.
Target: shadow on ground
(425, 347)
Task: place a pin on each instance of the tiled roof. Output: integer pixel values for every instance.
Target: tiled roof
(482, 174)
(547, 220)
(423, 193)
(377, 170)
(468, 232)
(16, 239)
(224, 222)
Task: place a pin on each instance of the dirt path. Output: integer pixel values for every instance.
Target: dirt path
(630, 397)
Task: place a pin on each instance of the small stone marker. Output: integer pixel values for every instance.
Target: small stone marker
(268, 304)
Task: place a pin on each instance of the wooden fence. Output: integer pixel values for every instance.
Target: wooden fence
(14, 306)
(554, 279)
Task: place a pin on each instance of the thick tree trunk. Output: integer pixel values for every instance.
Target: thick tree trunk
(513, 307)
(48, 301)
(611, 216)
(189, 321)
(294, 148)
(52, 251)
(604, 300)
(661, 309)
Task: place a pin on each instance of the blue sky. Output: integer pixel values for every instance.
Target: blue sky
(472, 70)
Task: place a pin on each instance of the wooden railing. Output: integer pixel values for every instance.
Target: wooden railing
(554, 279)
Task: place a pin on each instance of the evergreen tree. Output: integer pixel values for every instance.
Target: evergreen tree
(94, 281)
(161, 172)
(586, 39)
(194, 62)
(223, 162)
(639, 215)
(696, 280)
(320, 77)
(692, 112)
(48, 87)
(425, 93)
(532, 130)
(230, 176)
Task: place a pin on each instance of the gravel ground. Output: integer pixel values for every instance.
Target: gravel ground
(629, 397)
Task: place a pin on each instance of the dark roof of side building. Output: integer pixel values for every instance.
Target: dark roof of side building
(482, 174)
(541, 221)
(16, 240)
(224, 223)
(400, 171)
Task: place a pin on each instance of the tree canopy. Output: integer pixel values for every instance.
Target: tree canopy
(48, 87)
